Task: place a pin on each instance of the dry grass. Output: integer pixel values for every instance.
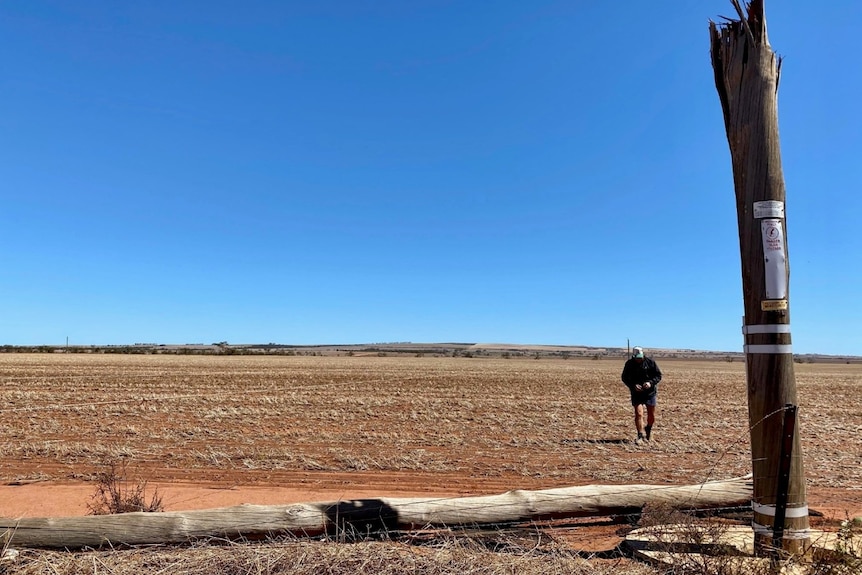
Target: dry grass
(681, 543)
(453, 555)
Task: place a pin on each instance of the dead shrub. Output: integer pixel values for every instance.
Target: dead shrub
(707, 546)
(116, 492)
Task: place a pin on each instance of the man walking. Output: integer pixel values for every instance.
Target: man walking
(642, 376)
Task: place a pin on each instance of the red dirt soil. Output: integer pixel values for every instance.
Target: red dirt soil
(70, 498)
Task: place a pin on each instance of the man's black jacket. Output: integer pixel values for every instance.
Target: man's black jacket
(638, 373)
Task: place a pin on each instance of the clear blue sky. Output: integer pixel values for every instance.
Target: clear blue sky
(543, 172)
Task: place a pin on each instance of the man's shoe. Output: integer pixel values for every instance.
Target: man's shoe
(648, 430)
(640, 438)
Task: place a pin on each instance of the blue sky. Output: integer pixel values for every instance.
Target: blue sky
(545, 172)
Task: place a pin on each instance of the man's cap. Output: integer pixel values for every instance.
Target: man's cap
(638, 351)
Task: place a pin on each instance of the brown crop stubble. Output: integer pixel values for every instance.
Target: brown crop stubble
(527, 423)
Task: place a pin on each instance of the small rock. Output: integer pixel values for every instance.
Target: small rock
(9, 555)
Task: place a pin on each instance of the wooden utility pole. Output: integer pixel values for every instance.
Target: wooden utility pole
(746, 77)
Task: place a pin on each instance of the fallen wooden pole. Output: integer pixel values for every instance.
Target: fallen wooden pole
(364, 516)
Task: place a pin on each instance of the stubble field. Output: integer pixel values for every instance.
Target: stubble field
(341, 426)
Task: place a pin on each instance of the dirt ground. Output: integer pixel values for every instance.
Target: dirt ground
(217, 432)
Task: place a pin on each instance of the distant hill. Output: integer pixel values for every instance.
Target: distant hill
(447, 349)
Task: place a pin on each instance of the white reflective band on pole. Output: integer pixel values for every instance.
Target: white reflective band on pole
(769, 510)
(766, 328)
(768, 348)
(787, 534)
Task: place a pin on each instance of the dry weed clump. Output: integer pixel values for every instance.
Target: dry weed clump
(846, 557)
(116, 492)
(684, 544)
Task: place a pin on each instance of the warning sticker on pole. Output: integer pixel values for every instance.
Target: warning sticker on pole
(774, 259)
(768, 209)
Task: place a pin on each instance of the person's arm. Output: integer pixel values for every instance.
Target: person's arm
(627, 376)
(656, 375)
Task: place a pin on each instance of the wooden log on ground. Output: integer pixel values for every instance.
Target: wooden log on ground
(363, 517)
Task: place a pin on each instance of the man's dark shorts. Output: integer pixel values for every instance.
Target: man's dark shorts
(640, 400)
